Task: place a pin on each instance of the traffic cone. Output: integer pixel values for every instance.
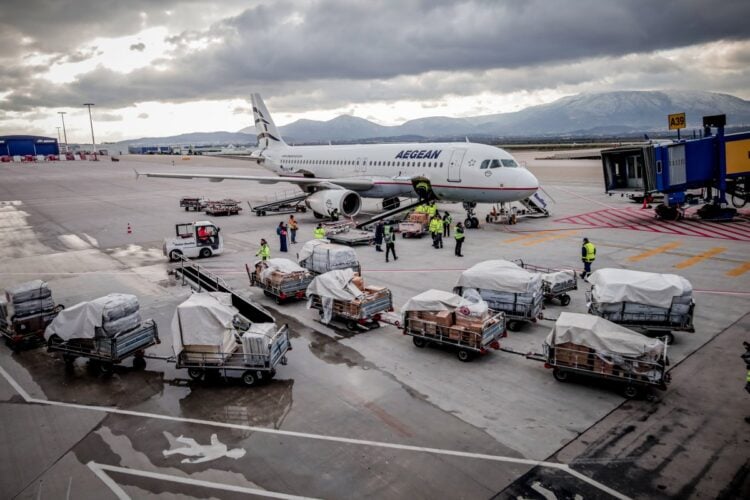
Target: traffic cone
(130, 229)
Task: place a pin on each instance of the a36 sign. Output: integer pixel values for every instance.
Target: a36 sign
(677, 121)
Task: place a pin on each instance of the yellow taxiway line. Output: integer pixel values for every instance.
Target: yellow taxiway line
(656, 251)
(699, 258)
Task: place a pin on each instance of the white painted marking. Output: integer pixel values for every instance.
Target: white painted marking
(319, 437)
(206, 452)
(73, 241)
(99, 470)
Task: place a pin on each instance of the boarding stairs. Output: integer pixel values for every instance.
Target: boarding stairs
(535, 205)
(411, 203)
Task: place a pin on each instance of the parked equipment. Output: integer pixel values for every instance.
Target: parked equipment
(25, 311)
(321, 256)
(281, 279)
(194, 239)
(193, 203)
(212, 339)
(556, 283)
(341, 295)
(657, 304)
(282, 203)
(435, 317)
(505, 287)
(106, 331)
(223, 207)
(583, 344)
(415, 225)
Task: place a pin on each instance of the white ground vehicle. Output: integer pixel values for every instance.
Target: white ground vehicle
(194, 239)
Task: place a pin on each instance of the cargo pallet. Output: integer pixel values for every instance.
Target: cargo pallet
(425, 333)
(223, 207)
(34, 336)
(105, 352)
(192, 203)
(289, 290)
(366, 315)
(551, 292)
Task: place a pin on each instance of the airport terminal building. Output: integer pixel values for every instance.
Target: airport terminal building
(23, 145)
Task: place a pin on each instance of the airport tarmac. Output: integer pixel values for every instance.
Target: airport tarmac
(366, 414)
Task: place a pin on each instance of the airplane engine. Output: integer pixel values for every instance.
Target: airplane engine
(325, 201)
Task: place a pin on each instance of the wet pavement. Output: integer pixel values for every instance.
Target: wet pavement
(365, 414)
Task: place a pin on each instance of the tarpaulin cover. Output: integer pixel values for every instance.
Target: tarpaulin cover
(308, 248)
(500, 275)
(281, 265)
(558, 277)
(77, 322)
(603, 336)
(117, 305)
(433, 300)
(321, 256)
(335, 285)
(204, 319)
(30, 290)
(622, 285)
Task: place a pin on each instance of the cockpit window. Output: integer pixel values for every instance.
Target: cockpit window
(495, 164)
(485, 164)
(509, 163)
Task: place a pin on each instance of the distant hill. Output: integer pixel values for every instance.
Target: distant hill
(594, 114)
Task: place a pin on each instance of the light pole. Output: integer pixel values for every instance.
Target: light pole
(58, 135)
(65, 134)
(93, 141)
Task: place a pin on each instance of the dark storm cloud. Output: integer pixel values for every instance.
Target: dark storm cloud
(284, 46)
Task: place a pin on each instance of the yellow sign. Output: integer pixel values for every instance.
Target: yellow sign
(738, 156)
(677, 121)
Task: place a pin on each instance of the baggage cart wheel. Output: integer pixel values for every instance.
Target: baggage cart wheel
(205, 252)
(175, 255)
(630, 391)
(419, 342)
(54, 340)
(58, 308)
(139, 363)
(195, 373)
(560, 375)
(106, 368)
(668, 338)
(352, 325)
(564, 299)
(68, 359)
(250, 378)
(278, 299)
(464, 355)
(267, 293)
(514, 326)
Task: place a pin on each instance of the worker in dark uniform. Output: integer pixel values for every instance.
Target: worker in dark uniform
(379, 232)
(588, 256)
(281, 231)
(459, 236)
(447, 220)
(390, 242)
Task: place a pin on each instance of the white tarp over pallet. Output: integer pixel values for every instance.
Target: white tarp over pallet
(500, 275)
(204, 319)
(335, 285)
(77, 322)
(282, 265)
(603, 336)
(622, 285)
(433, 300)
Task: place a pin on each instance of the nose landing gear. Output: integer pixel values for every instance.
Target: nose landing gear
(471, 222)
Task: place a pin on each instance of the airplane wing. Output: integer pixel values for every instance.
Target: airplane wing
(353, 183)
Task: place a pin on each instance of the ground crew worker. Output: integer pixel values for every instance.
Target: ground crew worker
(432, 209)
(447, 220)
(746, 359)
(265, 251)
(433, 228)
(423, 190)
(292, 224)
(459, 239)
(421, 209)
(379, 233)
(319, 233)
(390, 242)
(588, 256)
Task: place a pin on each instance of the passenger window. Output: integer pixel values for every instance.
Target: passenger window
(485, 164)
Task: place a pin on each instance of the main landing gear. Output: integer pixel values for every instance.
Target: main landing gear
(471, 222)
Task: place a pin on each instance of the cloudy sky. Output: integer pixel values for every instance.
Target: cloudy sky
(163, 67)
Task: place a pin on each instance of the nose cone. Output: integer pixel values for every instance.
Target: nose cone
(530, 180)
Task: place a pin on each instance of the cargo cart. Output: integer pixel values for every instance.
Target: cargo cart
(409, 229)
(467, 344)
(105, 352)
(556, 283)
(252, 369)
(192, 203)
(351, 237)
(357, 314)
(291, 289)
(223, 207)
(28, 331)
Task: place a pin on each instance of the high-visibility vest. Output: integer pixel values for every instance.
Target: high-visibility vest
(434, 226)
(388, 234)
(264, 253)
(423, 185)
(448, 219)
(440, 225)
(420, 209)
(590, 252)
(319, 233)
(431, 210)
(748, 376)
(459, 233)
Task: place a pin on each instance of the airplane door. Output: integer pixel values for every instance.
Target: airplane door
(362, 167)
(454, 165)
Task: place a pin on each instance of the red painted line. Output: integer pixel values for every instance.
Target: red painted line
(459, 186)
(413, 270)
(599, 220)
(739, 229)
(712, 231)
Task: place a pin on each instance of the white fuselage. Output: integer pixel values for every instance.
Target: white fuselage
(463, 172)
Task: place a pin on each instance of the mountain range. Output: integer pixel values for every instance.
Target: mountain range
(595, 114)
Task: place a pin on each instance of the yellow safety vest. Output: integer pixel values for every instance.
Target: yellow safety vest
(432, 210)
(264, 253)
(459, 233)
(319, 233)
(590, 252)
(434, 228)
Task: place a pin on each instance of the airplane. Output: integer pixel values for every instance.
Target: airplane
(336, 178)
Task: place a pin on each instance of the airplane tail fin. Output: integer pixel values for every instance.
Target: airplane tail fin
(268, 134)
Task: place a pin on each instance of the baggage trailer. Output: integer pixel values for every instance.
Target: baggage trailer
(356, 314)
(252, 369)
(105, 352)
(468, 345)
(634, 371)
(28, 331)
(287, 289)
(192, 203)
(223, 207)
(556, 283)
(409, 229)
(25, 312)
(351, 237)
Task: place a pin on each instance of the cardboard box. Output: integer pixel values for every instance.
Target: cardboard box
(469, 323)
(456, 332)
(444, 318)
(359, 282)
(601, 366)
